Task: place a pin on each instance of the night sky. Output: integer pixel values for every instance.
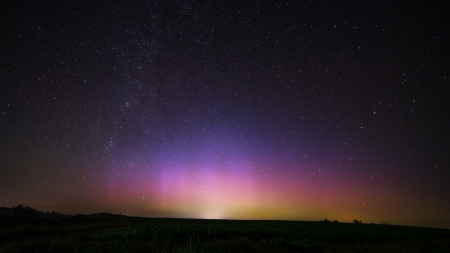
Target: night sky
(293, 110)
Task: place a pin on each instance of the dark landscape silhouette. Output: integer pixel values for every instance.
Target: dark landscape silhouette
(25, 229)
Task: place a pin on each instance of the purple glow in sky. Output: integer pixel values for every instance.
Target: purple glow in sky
(238, 110)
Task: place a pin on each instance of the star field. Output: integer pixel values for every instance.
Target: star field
(199, 109)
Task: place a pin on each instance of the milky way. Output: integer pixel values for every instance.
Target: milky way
(197, 109)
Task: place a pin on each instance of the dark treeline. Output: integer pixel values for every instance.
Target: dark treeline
(26, 213)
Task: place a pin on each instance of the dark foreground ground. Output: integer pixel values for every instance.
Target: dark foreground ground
(125, 234)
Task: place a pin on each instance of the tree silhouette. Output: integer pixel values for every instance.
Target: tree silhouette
(25, 212)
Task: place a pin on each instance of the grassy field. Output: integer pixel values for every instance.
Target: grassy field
(186, 235)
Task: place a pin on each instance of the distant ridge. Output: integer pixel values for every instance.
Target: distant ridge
(25, 213)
